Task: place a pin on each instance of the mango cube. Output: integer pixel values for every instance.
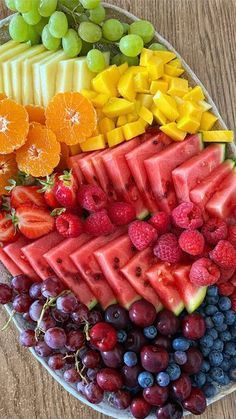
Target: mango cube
(146, 115)
(223, 136)
(155, 68)
(74, 149)
(195, 94)
(190, 109)
(142, 83)
(116, 107)
(204, 105)
(131, 117)
(145, 56)
(158, 85)
(89, 94)
(178, 87)
(123, 68)
(173, 71)
(176, 63)
(126, 86)
(173, 131)
(106, 125)
(145, 100)
(189, 124)
(133, 129)
(165, 56)
(167, 105)
(115, 137)
(208, 120)
(94, 143)
(122, 120)
(106, 81)
(158, 115)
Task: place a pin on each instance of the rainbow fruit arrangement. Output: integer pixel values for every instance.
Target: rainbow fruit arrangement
(118, 218)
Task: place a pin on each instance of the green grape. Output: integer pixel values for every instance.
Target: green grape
(112, 30)
(126, 28)
(131, 45)
(72, 5)
(11, 5)
(90, 4)
(86, 47)
(32, 17)
(33, 36)
(58, 24)
(47, 7)
(121, 59)
(97, 15)
(116, 60)
(90, 32)
(157, 47)
(23, 6)
(144, 29)
(18, 29)
(83, 18)
(71, 43)
(49, 41)
(39, 27)
(96, 61)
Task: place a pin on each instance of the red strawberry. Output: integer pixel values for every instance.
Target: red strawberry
(142, 234)
(8, 231)
(92, 198)
(204, 272)
(48, 190)
(121, 213)
(65, 190)
(27, 195)
(98, 224)
(167, 248)
(224, 255)
(33, 222)
(69, 225)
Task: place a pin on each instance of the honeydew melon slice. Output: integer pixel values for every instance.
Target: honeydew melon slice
(48, 75)
(7, 55)
(82, 75)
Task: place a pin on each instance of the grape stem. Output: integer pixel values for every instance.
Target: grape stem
(8, 321)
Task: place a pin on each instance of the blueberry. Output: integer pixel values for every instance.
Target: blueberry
(163, 379)
(233, 361)
(233, 331)
(201, 311)
(209, 390)
(215, 358)
(205, 366)
(130, 359)
(174, 371)
(209, 323)
(207, 341)
(232, 374)
(224, 303)
(205, 351)
(121, 336)
(213, 333)
(225, 336)
(225, 365)
(230, 317)
(145, 379)
(225, 380)
(212, 291)
(193, 343)
(217, 374)
(180, 357)
(180, 344)
(218, 345)
(199, 379)
(218, 318)
(230, 348)
(212, 300)
(222, 327)
(150, 332)
(209, 379)
(210, 310)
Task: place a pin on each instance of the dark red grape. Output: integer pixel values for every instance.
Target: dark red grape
(93, 393)
(140, 408)
(196, 402)
(92, 373)
(58, 316)
(142, 313)
(21, 303)
(55, 338)
(156, 395)
(47, 323)
(167, 323)
(52, 287)
(109, 379)
(5, 294)
(67, 303)
(71, 376)
(91, 359)
(163, 342)
(193, 326)
(170, 411)
(103, 336)
(42, 349)
(120, 400)
(181, 388)
(75, 340)
(194, 361)
(56, 361)
(154, 358)
(80, 315)
(35, 291)
(113, 358)
(117, 316)
(35, 310)
(95, 317)
(27, 318)
(135, 341)
(130, 375)
(21, 284)
(27, 338)
(81, 387)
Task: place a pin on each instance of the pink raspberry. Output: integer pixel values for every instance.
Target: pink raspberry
(98, 224)
(69, 225)
(215, 230)
(161, 222)
(233, 280)
(187, 215)
(92, 198)
(167, 248)
(226, 289)
(224, 255)
(121, 213)
(192, 242)
(232, 234)
(225, 275)
(204, 272)
(142, 234)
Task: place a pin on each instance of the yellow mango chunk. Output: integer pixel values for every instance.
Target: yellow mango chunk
(188, 124)
(195, 94)
(176, 63)
(106, 125)
(131, 117)
(145, 56)
(165, 56)
(191, 109)
(155, 68)
(133, 129)
(178, 87)
(106, 81)
(89, 94)
(100, 100)
(146, 115)
(167, 78)
(94, 143)
(158, 115)
(167, 105)
(158, 85)
(122, 120)
(74, 149)
(114, 137)
(204, 105)
(145, 100)
(208, 120)
(223, 136)
(173, 131)
(123, 68)
(173, 71)
(116, 107)
(142, 83)
(126, 86)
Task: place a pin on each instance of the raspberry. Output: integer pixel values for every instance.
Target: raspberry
(192, 242)
(204, 272)
(233, 301)
(69, 225)
(215, 230)
(232, 234)
(142, 234)
(99, 224)
(92, 198)
(161, 222)
(224, 255)
(225, 275)
(226, 289)
(167, 248)
(187, 215)
(233, 280)
(121, 213)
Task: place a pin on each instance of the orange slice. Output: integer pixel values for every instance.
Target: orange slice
(2, 96)
(8, 170)
(14, 126)
(41, 152)
(36, 114)
(71, 117)
(65, 154)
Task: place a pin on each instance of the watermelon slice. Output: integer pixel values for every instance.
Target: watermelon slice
(201, 194)
(59, 260)
(73, 164)
(121, 177)
(90, 270)
(162, 280)
(9, 264)
(192, 296)
(224, 200)
(87, 168)
(112, 257)
(135, 271)
(14, 252)
(193, 171)
(102, 175)
(34, 253)
(159, 169)
(135, 160)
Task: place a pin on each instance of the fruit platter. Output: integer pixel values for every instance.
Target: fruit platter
(118, 211)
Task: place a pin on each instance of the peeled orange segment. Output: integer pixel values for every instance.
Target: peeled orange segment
(71, 117)
(41, 152)
(14, 126)
(8, 170)
(36, 114)
(3, 96)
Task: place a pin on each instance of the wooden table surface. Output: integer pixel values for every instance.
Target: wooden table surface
(203, 31)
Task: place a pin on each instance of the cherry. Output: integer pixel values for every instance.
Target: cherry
(167, 323)
(181, 388)
(142, 313)
(91, 359)
(93, 393)
(194, 361)
(71, 376)
(21, 284)
(164, 342)
(5, 294)
(135, 341)
(109, 379)
(154, 359)
(196, 402)
(21, 303)
(74, 340)
(56, 362)
(117, 316)
(140, 408)
(103, 336)
(121, 399)
(113, 358)
(193, 326)
(130, 375)
(156, 395)
(55, 338)
(170, 411)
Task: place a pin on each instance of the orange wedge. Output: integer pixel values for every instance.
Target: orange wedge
(36, 114)
(8, 170)
(14, 126)
(3, 96)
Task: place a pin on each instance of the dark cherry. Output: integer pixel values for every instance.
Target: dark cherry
(193, 326)
(181, 388)
(194, 361)
(113, 358)
(135, 341)
(140, 408)
(163, 342)
(121, 399)
(167, 323)
(117, 316)
(21, 283)
(196, 402)
(130, 375)
(156, 395)
(154, 358)
(93, 393)
(142, 313)
(103, 336)
(109, 379)
(80, 315)
(91, 359)
(95, 317)
(74, 340)
(170, 411)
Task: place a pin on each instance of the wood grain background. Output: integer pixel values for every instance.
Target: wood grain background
(203, 31)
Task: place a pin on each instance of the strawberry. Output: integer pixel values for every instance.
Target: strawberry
(8, 231)
(65, 190)
(32, 221)
(26, 195)
(69, 225)
(48, 190)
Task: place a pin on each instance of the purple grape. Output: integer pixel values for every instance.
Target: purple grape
(67, 303)
(113, 358)
(56, 361)
(47, 323)
(117, 316)
(5, 294)
(93, 393)
(135, 341)
(170, 411)
(35, 291)
(21, 303)
(35, 310)
(91, 359)
(52, 287)
(42, 349)
(59, 317)
(95, 317)
(130, 375)
(27, 338)
(21, 284)
(92, 373)
(121, 399)
(55, 338)
(71, 376)
(80, 315)
(27, 318)
(75, 340)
